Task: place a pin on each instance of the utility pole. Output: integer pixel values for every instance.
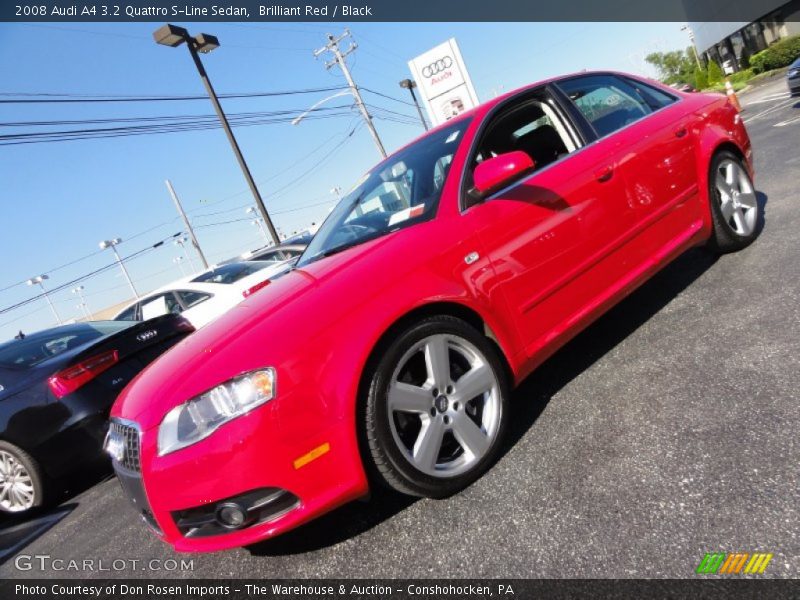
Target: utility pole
(338, 59)
(178, 204)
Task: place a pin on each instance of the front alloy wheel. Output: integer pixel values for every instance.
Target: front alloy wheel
(734, 206)
(436, 408)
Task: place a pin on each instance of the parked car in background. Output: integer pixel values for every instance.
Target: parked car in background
(56, 389)
(683, 87)
(273, 254)
(793, 77)
(279, 253)
(202, 298)
(451, 271)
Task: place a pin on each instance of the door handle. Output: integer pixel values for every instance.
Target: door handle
(680, 132)
(604, 174)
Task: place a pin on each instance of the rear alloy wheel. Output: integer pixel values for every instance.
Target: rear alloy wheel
(21, 482)
(436, 410)
(734, 206)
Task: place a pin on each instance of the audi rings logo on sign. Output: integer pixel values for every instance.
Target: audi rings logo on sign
(147, 335)
(437, 67)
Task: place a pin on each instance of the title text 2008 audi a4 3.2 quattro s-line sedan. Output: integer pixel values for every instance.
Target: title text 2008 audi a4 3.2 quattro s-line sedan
(453, 269)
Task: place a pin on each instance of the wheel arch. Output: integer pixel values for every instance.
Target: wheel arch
(430, 309)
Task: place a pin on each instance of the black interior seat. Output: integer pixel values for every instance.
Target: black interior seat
(544, 145)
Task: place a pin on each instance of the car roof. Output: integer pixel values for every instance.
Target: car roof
(485, 107)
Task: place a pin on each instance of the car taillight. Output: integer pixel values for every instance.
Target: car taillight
(70, 379)
(255, 288)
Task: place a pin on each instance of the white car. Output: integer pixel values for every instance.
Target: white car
(202, 298)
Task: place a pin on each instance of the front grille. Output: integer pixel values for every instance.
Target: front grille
(130, 436)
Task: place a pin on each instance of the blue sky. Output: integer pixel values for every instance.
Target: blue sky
(58, 200)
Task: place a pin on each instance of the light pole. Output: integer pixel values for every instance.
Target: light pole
(39, 280)
(113, 245)
(257, 221)
(83, 306)
(410, 84)
(314, 106)
(178, 260)
(173, 36)
(694, 47)
(182, 241)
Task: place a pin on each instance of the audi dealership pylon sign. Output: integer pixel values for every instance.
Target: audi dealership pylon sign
(443, 82)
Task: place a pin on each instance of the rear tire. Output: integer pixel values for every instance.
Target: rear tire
(735, 212)
(22, 482)
(436, 408)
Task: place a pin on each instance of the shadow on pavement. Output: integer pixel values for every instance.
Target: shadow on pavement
(17, 531)
(343, 523)
(16, 536)
(529, 400)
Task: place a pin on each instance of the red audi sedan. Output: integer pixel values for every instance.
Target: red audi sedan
(445, 277)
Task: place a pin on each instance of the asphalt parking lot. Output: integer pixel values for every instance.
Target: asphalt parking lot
(666, 430)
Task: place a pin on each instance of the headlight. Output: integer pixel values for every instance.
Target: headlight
(198, 418)
(793, 73)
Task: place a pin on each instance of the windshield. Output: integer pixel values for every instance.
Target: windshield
(401, 191)
(230, 273)
(38, 347)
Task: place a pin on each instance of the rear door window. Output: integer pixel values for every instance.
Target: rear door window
(190, 298)
(162, 304)
(608, 102)
(129, 314)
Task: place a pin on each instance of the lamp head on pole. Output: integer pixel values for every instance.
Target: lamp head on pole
(205, 43)
(170, 35)
(408, 84)
(109, 243)
(37, 280)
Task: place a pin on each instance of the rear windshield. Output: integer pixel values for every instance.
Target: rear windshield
(43, 345)
(229, 273)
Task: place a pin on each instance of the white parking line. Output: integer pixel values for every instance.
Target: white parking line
(788, 122)
(776, 98)
(771, 109)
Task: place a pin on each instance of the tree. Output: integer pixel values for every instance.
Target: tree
(700, 78)
(714, 73)
(676, 66)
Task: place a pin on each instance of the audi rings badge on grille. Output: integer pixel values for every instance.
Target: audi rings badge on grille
(437, 67)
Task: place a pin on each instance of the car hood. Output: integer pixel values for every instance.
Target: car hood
(223, 349)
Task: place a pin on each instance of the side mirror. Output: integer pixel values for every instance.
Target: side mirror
(494, 173)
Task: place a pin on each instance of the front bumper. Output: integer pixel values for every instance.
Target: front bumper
(793, 85)
(315, 463)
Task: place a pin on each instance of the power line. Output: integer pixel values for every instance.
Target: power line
(70, 99)
(388, 97)
(115, 132)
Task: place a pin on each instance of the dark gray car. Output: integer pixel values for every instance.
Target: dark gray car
(793, 77)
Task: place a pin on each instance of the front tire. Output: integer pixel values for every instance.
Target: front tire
(436, 408)
(734, 207)
(22, 483)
